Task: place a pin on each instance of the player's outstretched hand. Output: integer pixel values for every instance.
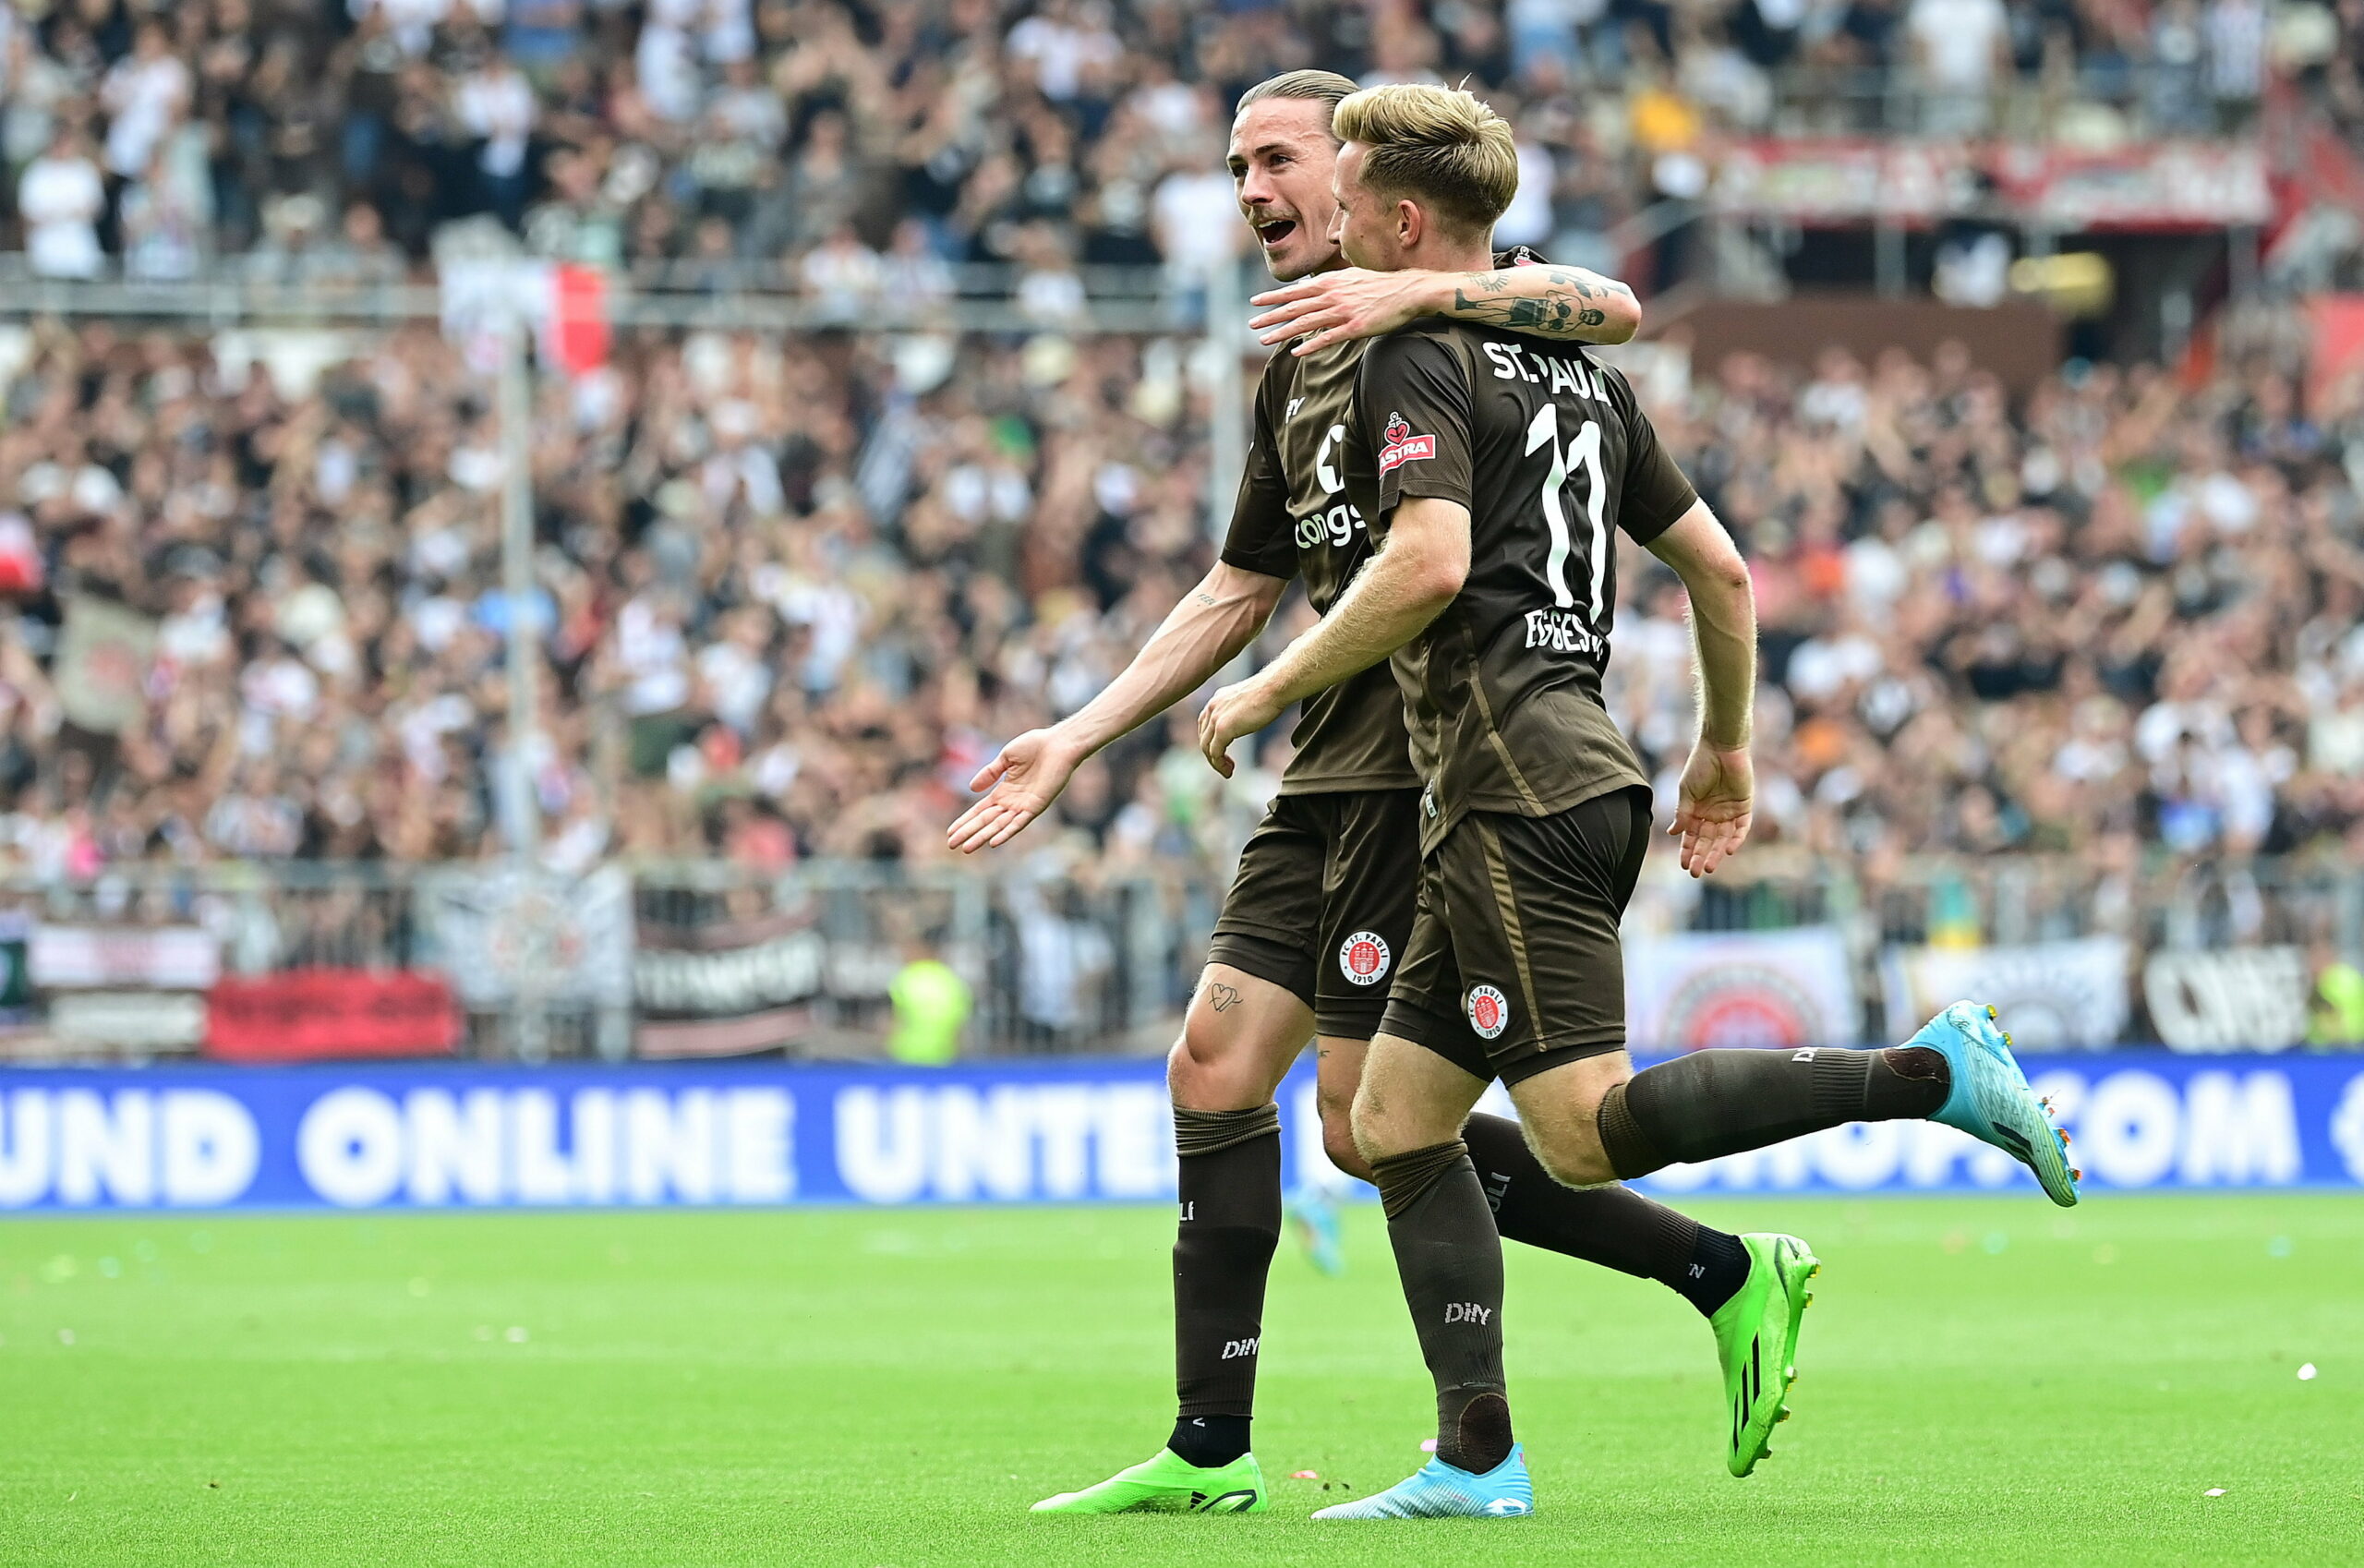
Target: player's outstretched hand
(1235, 711)
(1020, 784)
(1712, 816)
(1333, 308)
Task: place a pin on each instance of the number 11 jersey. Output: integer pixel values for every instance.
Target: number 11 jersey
(1551, 455)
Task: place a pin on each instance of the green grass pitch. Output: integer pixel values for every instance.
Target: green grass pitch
(1981, 1381)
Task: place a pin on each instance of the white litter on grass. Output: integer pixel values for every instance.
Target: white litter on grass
(2307, 1373)
(1427, 1445)
(2213, 1492)
(517, 1336)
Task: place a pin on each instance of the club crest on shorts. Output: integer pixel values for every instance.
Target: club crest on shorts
(1490, 1011)
(1363, 958)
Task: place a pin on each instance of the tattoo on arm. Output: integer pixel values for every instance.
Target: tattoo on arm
(1223, 997)
(1205, 597)
(1555, 313)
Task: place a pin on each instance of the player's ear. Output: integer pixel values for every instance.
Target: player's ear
(1410, 222)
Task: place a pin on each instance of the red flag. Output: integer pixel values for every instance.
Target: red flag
(578, 321)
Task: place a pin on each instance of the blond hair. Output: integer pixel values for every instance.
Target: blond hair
(1325, 87)
(1434, 145)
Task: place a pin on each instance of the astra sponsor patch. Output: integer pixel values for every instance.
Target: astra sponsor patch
(1401, 445)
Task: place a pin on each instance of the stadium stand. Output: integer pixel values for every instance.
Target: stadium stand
(704, 138)
(794, 590)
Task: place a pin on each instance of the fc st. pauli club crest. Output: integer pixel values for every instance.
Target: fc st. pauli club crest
(1363, 958)
(1490, 1011)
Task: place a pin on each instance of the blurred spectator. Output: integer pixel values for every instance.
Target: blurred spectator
(493, 102)
(842, 276)
(1066, 44)
(1959, 46)
(2338, 1015)
(163, 225)
(360, 255)
(932, 1006)
(2234, 45)
(1196, 217)
(143, 93)
(60, 198)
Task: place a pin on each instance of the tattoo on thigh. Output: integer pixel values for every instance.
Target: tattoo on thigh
(1222, 996)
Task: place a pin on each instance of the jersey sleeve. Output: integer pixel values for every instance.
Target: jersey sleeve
(1657, 493)
(1263, 537)
(1412, 402)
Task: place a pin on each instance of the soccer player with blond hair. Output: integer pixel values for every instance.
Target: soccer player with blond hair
(1497, 473)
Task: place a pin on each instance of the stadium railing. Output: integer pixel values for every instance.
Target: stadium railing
(2093, 102)
(706, 959)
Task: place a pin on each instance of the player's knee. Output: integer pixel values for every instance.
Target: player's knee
(1208, 1069)
(1571, 1152)
(1379, 1126)
(1338, 1139)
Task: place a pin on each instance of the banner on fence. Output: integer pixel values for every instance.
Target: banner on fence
(1695, 990)
(385, 1137)
(2239, 999)
(727, 989)
(2052, 995)
(136, 1021)
(2148, 185)
(513, 931)
(89, 958)
(330, 1015)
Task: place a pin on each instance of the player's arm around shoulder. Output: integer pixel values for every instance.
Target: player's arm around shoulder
(1537, 299)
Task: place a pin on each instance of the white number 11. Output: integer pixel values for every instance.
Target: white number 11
(1584, 452)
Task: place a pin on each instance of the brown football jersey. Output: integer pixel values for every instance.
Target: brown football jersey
(1295, 520)
(1552, 457)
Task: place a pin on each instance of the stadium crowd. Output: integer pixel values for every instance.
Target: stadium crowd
(791, 594)
(814, 141)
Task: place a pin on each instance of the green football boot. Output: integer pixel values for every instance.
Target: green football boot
(1167, 1485)
(1757, 1339)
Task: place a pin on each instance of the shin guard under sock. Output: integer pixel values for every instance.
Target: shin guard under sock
(1715, 1103)
(1230, 1181)
(1451, 1262)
